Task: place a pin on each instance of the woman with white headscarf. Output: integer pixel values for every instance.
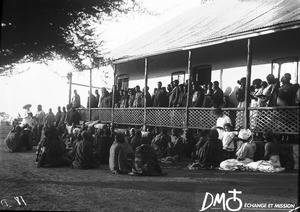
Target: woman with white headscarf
(245, 151)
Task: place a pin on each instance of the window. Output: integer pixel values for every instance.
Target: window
(179, 75)
(286, 65)
(122, 82)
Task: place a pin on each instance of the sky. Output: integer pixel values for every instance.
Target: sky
(46, 84)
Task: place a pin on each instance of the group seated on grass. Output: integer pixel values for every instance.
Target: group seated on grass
(136, 152)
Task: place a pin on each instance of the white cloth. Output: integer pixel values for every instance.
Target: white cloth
(227, 140)
(223, 120)
(271, 166)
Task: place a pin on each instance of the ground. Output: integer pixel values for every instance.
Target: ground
(99, 190)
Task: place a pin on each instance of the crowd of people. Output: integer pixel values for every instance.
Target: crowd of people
(66, 142)
(63, 140)
(269, 93)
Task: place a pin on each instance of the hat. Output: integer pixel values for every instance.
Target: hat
(244, 134)
(27, 106)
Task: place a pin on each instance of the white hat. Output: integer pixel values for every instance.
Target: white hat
(244, 134)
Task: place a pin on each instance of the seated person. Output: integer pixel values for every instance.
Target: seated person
(210, 154)
(136, 140)
(244, 154)
(26, 138)
(102, 144)
(83, 152)
(189, 143)
(51, 150)
(161, 141)
(12, 142)
(146, 161)
(197, 149)
(177, 140)
(117, 156)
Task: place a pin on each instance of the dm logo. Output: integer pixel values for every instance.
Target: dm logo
(211, 201)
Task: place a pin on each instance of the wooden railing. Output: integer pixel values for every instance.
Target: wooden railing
(278, 119)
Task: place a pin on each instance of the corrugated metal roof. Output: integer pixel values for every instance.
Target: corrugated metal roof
(212, 23)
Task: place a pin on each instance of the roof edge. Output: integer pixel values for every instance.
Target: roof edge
(219, 40)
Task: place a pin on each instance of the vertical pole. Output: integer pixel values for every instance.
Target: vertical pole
(188, 90)
(90, 99)
(69, 76)
(145, 92)
(221, 78)
(248, 79)
(113, 95)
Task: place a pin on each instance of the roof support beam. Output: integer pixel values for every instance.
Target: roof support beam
(145, 92)
(248, 80)
(188, 88)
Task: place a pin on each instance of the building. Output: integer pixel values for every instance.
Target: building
(219, 40)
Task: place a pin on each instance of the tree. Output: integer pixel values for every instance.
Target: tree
(32, 30)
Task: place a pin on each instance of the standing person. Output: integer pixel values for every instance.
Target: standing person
(240, 93)
(40, 120)
(197, 95)
(131, 97)
(221, 121)
(124, 99)
(49, 119)
(181, 99)
(148, 98)
(208, 93)
(138, 97)
(286, 93)
(76, 100)
(27, 116)
(58, 116)
(97, 96)
(160, 96)
(174, 95)
(105, 99)
(255, 101)
(93, 100)
(217, 96)
(61, 123)
(269, 96)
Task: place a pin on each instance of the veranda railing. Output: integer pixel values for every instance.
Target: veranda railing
(278, 119)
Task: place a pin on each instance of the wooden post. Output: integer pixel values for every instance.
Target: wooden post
(145, 92)
(113, 95)
(90, 100)
(188, 90)
(248, 79)
(69, 76)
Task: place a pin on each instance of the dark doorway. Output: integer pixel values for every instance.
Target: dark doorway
(201, 74)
